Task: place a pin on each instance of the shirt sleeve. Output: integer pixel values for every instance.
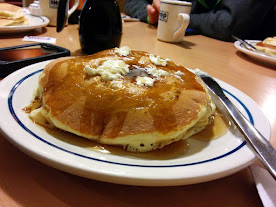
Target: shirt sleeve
(137, 9)
(230, 17)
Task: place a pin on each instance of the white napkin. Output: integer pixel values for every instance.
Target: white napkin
(266, 186)
(40, 39)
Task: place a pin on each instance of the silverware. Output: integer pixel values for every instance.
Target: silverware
(262, 148)
(250, 45)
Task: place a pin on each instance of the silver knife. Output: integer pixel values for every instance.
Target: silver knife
(261, 147)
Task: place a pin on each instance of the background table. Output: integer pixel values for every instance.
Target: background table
(26, 182)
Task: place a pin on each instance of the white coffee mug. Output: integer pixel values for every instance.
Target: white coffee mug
(174, 18)
(49, 8)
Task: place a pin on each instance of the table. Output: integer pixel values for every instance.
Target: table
(27, 182)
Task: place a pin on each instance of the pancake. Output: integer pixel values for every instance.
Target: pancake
(22, 21)
(10, 11)
(5, 22)
(268, 45)
(11, 15)
(122, 97)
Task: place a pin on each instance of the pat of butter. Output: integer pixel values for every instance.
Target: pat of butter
(117, 84)
(144, 81)
(158, 61)
(109, 70)
(179, 73)
(124, 51)
(157, 73)
(270, 41)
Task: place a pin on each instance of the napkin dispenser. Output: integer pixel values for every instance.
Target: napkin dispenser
(16, 57)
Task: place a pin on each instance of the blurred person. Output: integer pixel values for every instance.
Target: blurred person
(220, 19)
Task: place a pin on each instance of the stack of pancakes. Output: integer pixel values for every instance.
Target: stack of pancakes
(268, 45)
(11, 15)
(135, 100)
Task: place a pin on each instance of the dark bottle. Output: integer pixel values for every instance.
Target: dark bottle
(100, 26)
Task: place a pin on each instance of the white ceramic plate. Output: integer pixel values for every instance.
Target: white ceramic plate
(204, 161)
(35, 22)
(255, 55)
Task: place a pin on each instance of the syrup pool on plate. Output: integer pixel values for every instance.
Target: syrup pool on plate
(215, 130)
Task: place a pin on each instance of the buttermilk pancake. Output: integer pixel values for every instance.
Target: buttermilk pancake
(268, 45)
(11, 15)
(122, 97)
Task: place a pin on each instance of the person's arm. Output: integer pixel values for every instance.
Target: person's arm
(240, 18)
(137, 9)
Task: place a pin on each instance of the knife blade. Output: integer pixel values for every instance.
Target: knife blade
(260, 146)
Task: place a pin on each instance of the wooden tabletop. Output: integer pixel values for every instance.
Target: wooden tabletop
(27, 182)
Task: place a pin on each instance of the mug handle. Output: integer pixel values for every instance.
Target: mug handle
(185, 19)
(62, 14)
(74, 7)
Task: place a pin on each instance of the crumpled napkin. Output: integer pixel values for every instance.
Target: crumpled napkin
(266, 186)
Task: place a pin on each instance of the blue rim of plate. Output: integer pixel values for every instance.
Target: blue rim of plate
(34, 16)
(11, 109)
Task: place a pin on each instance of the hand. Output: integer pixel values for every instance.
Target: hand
(153, 11)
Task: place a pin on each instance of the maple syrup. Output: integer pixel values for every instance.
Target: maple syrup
(215, 130)
(100, 25)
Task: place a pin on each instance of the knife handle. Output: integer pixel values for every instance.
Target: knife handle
(264, 150)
